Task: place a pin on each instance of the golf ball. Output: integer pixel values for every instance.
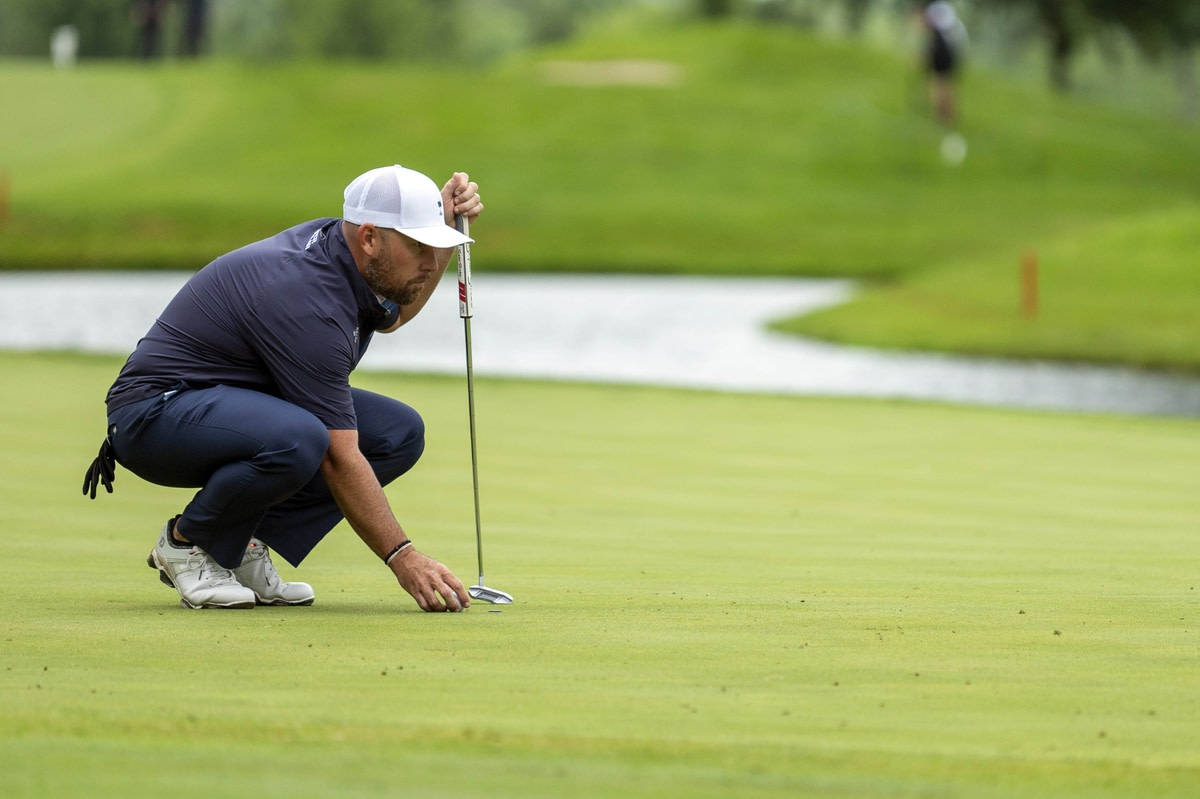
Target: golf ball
(953, 149)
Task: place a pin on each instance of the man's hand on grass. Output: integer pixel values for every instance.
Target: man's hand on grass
(432, 585)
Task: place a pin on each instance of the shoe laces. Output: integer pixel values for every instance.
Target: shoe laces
(257, 550)
(203, 563)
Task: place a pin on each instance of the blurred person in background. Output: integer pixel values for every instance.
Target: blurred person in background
(945, 42)
(194, 23)
(148, 17)
(946, 38)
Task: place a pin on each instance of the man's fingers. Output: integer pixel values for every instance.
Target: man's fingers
(427, 598)
(461, 195)
(424, 597)
(457, 588)
(433, 603)
(434, 587)
(457, 182)
(454, 585)
(467, 198)
(450, 598)
(438, 599)
(471, 210)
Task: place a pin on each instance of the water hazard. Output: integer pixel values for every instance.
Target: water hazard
(670, 331)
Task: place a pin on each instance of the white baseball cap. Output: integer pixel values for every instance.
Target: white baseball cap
(403, 200)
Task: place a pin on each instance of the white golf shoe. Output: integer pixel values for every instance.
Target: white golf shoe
(200, 580)
(257, 573)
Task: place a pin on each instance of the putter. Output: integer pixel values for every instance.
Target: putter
(466, 310)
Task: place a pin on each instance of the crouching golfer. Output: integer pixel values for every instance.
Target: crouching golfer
(241, 388)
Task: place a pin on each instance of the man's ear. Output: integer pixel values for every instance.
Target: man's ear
(369, 239)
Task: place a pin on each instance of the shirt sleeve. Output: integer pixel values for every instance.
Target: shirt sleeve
(309, 356)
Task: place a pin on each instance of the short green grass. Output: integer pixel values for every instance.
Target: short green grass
(717, 595)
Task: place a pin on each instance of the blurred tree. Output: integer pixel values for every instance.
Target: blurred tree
(1157, 27)
(1160, 29)
(1063, 21)
(554, 20)
(715, 8)
(420, 29)
(856, 13)
(1062, 24)
(105, 28)
(1186, 37)
(414, 29)
(335, 28)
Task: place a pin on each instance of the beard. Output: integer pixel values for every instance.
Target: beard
(378, 280)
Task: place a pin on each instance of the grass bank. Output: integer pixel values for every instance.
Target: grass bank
(716, 595)
(1120, 291)
(773, 152)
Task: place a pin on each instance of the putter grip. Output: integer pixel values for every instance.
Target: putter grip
(466, 307)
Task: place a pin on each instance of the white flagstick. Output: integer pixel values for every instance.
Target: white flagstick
(466, 310)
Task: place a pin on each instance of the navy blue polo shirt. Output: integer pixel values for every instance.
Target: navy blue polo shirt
(289, 316)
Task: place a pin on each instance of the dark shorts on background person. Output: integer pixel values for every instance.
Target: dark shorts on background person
(941, 58)
(256, 459)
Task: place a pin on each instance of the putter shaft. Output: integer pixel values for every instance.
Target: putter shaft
(466, 311)
(474, 455)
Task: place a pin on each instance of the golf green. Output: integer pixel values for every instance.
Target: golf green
(716, 595)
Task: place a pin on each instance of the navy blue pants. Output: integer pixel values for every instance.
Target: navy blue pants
(256, 460)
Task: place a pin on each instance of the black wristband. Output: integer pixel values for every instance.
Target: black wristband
(403, 545)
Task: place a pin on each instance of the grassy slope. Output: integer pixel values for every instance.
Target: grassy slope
(717, 595)
(780, 153)
(1122, 290)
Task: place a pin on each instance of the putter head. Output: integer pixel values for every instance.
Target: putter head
(489, 595)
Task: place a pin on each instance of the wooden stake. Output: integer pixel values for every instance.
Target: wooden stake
(1029, 284)
(5, 191)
